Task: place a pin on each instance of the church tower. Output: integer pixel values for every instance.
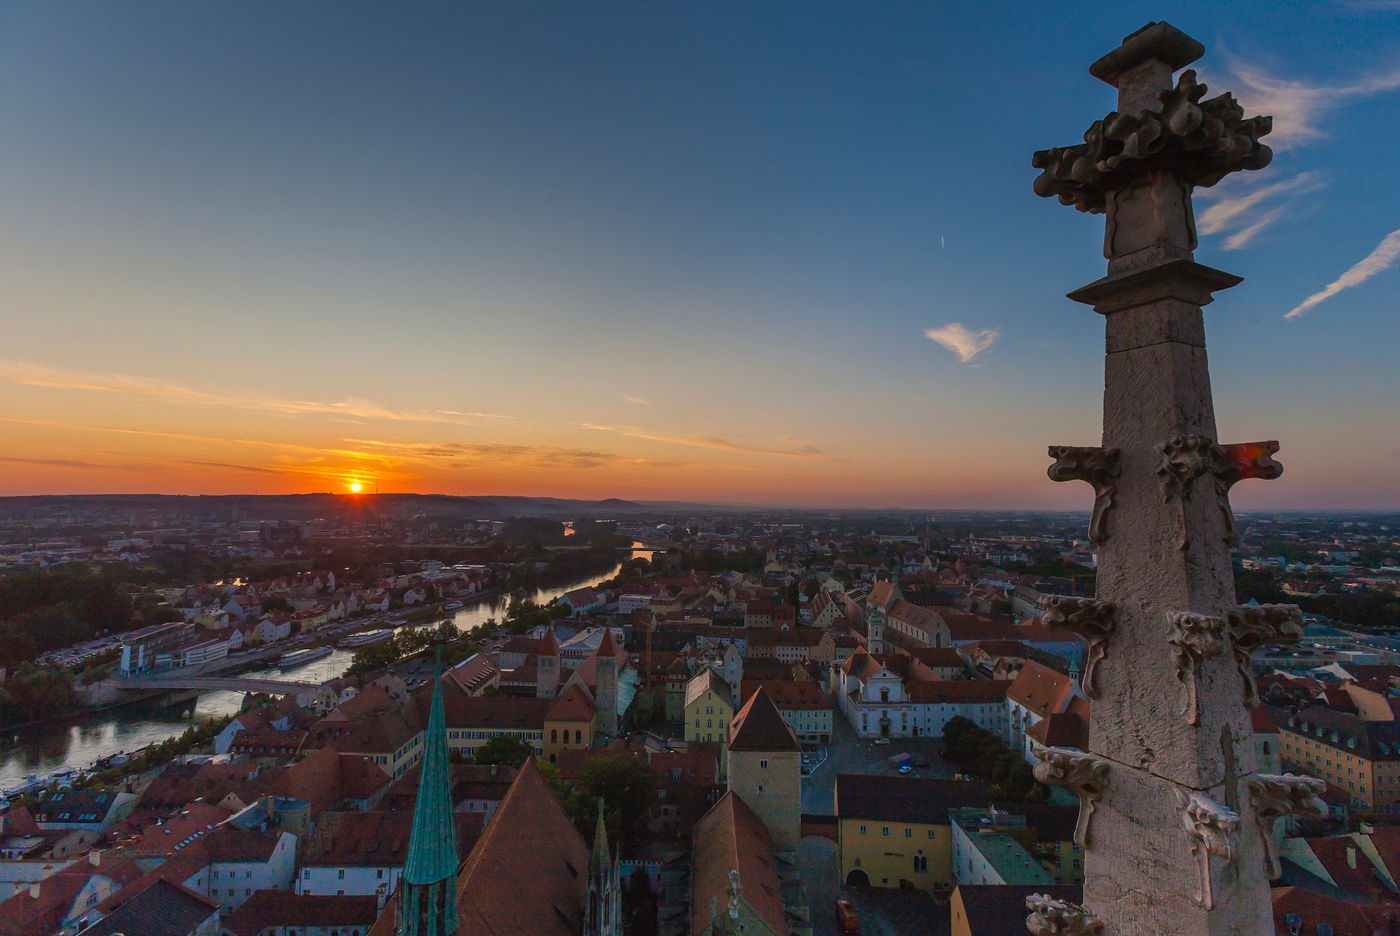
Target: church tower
(427, 903)
(605, 666)
(547, 666)
(875, 630)
(602, 913)
(764, 771)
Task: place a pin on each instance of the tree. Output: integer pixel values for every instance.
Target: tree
(504, 749)
(627, 787)
(276, 603)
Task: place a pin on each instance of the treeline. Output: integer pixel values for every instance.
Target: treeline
(987, 757)
(456, 647)
(30, 693)
(1375, 609)
(47, 609)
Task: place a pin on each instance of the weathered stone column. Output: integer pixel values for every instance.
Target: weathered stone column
(1171, 827)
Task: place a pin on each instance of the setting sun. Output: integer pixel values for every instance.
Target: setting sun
(355, 486)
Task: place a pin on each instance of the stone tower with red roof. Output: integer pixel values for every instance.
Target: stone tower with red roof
(547, 666)
(605, 683)
(763, 756)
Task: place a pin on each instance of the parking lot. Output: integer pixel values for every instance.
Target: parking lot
(848, 753)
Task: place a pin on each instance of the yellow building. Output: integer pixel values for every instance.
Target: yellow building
(1360, 757)
(895, 831)
(708, 707)
(570, 723)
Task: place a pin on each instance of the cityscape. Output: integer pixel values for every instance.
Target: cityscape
(621, 472)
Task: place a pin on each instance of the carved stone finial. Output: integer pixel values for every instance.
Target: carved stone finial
(1253, 626)
(1242, 461)
(1200, 141)
(1278, 795)
(1090, 618)
(1052, 917)
(1197, 638)
(1214, 830)
(1183, 460)
(1099, 467)
(1086, 775)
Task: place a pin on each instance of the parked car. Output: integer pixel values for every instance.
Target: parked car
(882, 740)
(846, 920)
(906, 768)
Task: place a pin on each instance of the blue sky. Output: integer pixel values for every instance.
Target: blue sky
(476, 235)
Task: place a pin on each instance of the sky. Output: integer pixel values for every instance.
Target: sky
(744, 253)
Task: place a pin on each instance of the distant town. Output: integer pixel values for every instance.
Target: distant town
(231, 715)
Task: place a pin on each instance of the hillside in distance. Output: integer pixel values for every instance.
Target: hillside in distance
(274, 507)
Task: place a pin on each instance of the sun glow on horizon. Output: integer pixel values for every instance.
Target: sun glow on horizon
(356, 487)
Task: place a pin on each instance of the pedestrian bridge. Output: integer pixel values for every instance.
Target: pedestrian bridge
(228, 683)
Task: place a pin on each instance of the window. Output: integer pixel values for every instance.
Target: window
(341, 874)
(884, 830)
(306, 874)
(553, 735)
(862, 830)
(920, 861)
(908, 832)
(379, 874)
(763, 763)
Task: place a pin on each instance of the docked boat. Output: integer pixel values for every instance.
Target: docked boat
(453, 606)
(302, 657)
(366, 638)
(31, 784)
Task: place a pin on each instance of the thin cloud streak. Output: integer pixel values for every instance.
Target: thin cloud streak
(711, 442)
(38, 375)
(1378, 261)
(963, 342)
(636, 399)
(1229, 211)
(1299, 107)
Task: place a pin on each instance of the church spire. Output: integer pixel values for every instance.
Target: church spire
(428, 901)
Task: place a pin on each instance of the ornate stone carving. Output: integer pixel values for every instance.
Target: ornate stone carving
(1086, 775)
(1253, 626)
(1099, 467)
(1051, 917)
(1242, 461)
(1200, 141)
(1214, 832)
(1197, 638)
(1275, 796)
(1183, 460)
(1091, 619)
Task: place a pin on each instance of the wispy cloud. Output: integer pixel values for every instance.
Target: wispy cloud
(39, 375)
(712, 442)
(963, 342)
(1299, 107)
(74, 463)
(465, 455)
(1234, 206)
(1378, 261)
(636, 399)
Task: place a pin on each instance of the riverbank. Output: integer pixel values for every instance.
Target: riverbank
(82, 738)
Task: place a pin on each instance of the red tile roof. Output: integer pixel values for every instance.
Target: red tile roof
(732, 837)
(759, 726)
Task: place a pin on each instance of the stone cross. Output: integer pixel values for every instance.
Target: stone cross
(1171, 850)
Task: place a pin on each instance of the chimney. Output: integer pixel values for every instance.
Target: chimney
(1351, 857)
(95, 857)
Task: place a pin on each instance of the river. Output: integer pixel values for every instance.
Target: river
(43, 748)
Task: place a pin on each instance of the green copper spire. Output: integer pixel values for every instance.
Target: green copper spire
(428, 901)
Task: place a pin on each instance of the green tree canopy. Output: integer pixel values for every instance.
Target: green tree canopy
(504, 749)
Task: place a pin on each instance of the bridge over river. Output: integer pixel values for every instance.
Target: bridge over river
(230, 683)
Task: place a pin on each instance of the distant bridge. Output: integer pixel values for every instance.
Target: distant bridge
(230, 683)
